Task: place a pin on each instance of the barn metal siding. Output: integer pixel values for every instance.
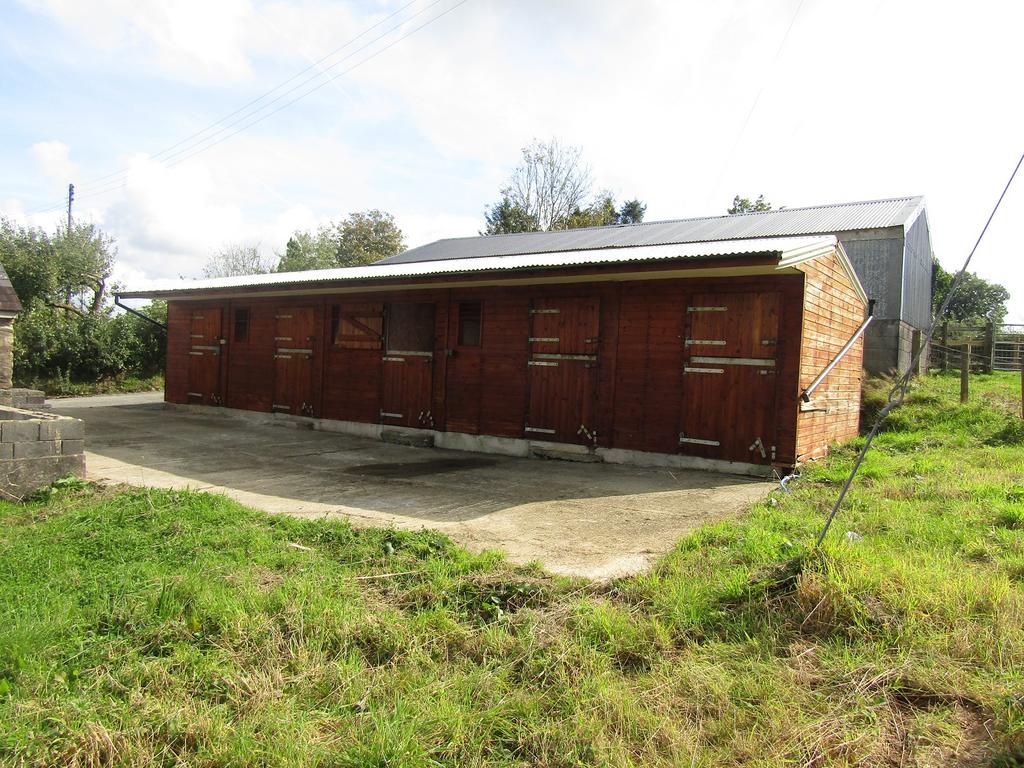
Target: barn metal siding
(917, 274)
(879, 265)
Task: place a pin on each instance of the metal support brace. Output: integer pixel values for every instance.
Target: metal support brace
(806, 394)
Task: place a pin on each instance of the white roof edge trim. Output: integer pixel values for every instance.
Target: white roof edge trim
(786, 247)
(810, 253)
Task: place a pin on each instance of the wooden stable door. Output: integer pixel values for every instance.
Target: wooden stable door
(562, 370)
(204, 356)
(729, 376)
(408, 366)
(294, 344)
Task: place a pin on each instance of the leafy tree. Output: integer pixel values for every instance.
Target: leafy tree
(236, 259)
(308, 251)
(743, 205)
(359, 238)
(632, 212)
(549, 184)
(68, 328)
(602, 213)
(366, 237)
(506, 217)
(976, 300)
(66, 270)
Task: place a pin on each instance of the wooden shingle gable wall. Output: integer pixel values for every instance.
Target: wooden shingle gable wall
(833, 310)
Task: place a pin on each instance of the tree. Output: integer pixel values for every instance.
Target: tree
(308, 251)
(632, 212)
(68, 329)
(359, 238)
(976, 299)
(743, 205)
(364, 238)
(549, 184)
(68, 270)
(506, 217)
(548, 191)
(236, 259)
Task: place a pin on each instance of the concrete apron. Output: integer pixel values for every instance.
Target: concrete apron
(504, 446)
(595, 520)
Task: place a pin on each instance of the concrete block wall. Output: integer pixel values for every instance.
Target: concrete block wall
(37, 449)
(889, 346)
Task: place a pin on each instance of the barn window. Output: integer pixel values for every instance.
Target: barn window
(357, 326)
(241, 325)
(411, 327)
(470, 314)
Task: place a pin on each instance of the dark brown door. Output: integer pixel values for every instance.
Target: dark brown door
(408, 366)
(562, 370)
(464, 367)
(729, 375)
(294, 344)
(204, 357)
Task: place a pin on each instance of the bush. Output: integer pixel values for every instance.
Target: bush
(55, 344)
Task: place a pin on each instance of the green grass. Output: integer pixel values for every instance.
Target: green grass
(166, 628)
(61, 387)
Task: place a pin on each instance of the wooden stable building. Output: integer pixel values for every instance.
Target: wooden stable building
(742, 355)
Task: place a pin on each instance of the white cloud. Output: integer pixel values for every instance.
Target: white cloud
(54, 160)
(858, 104)
(192, 39)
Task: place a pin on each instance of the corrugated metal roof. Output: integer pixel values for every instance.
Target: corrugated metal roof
(786, 222)
(786, 248)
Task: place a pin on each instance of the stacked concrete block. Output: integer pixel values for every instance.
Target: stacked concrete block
(36, 449)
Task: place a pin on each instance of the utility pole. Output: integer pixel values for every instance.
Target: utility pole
(71, 199)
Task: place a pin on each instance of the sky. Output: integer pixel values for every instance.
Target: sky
(680, 103)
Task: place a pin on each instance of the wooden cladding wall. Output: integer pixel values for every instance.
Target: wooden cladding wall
(832, 312)
(627, 339)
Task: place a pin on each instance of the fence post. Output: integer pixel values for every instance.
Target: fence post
(990, 346)
(965, 370)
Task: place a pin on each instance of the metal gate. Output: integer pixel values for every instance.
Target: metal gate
(294, 339)
(204, 356)
(562, 370)
(729, 376)
(408, 361)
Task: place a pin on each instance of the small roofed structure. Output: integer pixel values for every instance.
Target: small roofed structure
(738, 354)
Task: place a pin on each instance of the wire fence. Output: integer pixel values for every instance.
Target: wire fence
(993, 346)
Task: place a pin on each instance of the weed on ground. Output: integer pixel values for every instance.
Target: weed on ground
(161, 628)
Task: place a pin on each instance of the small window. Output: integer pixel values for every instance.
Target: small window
(410, 327)
(241, 325)
(469, 324)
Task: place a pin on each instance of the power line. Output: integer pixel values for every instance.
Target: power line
(319, 86)
(277, 87)
(195, 143)
(898, 392)
(757, 99)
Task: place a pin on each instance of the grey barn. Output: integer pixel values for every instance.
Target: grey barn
(887, 242)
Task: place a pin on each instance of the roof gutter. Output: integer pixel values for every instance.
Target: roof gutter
(806, 394)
